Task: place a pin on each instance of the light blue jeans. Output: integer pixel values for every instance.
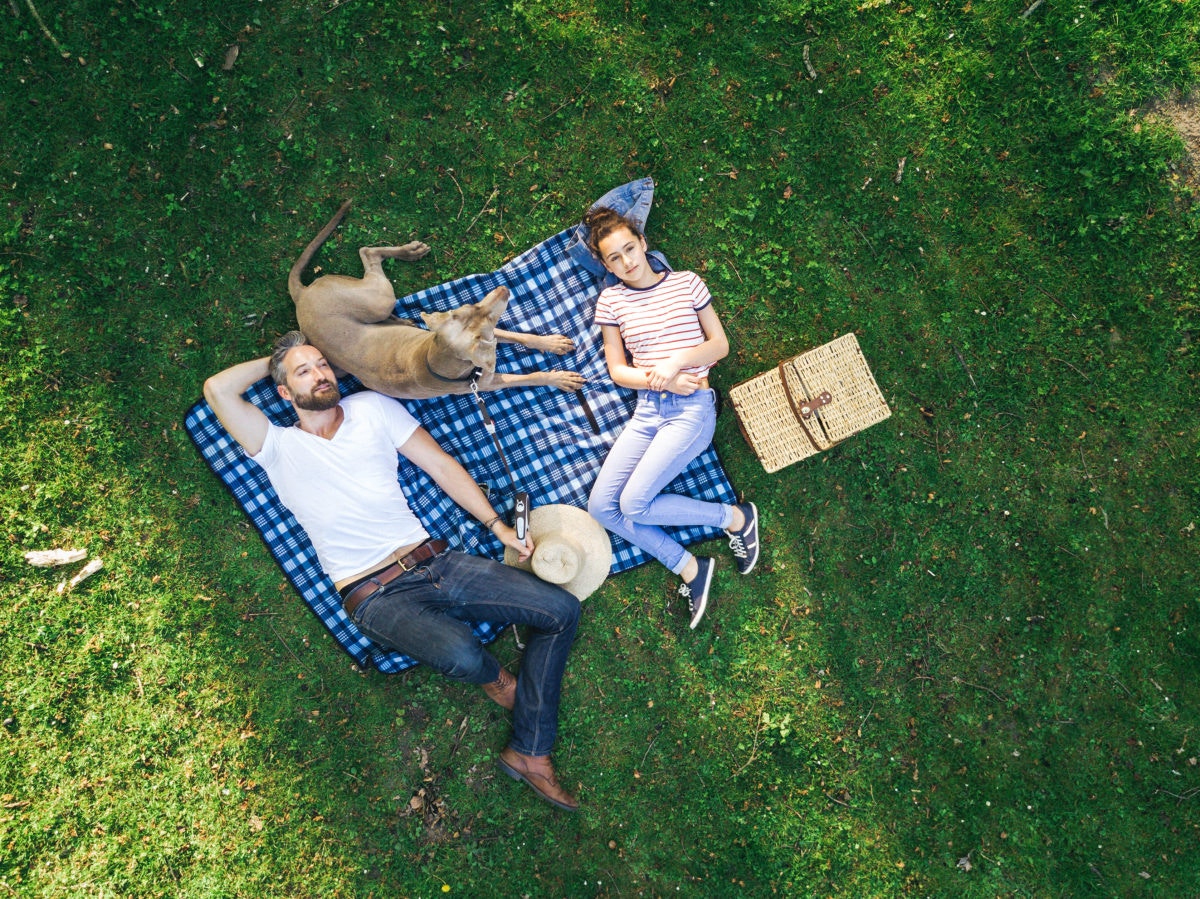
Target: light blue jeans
(667, 432)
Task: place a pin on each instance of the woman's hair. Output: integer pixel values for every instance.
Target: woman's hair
(288, 341)
(602, 221)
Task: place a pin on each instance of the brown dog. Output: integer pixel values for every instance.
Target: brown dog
(351, 321)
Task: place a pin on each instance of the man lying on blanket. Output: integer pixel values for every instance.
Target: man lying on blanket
(336, 472)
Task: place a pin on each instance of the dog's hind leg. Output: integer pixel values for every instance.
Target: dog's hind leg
(372, 257)
(375, 300)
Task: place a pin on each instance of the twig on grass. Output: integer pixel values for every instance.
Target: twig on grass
(958, 680)
(1034, 5)
(1034, 68)
(963, 363)
(812, 73)
(657, 732)
(833, 798)
(568, 100)
(285, 644)
(1184, 797)
(461, 196)
(1060, 303)
(65, 54)
(735, 269)
(1070, 366)
(544, 198)
(1121, 685)
(337, 4)
(458, 738)
(863, 235)
(495, 192)
(754, 746)
(864, 718)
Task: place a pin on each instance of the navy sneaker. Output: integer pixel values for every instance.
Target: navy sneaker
(744, 542)
(695, 591)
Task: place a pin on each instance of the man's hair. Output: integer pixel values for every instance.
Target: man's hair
(603, 221)
(288, 341)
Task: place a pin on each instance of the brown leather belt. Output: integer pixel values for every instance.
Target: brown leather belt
(354, 594)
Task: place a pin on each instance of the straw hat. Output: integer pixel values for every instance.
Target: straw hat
(571, 549)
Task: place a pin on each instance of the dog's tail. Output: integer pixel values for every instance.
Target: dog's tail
(295, 285)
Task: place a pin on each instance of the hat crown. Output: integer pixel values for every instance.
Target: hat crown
(558, 558)
(571, 549)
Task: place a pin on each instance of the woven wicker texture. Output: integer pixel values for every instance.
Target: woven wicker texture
(767, 413)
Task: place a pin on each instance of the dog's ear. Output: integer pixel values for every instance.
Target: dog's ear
(483, 356)
(434, 320)
(495, 303)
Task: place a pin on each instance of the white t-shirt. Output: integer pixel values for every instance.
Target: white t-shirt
(656, 321)
(344, 491)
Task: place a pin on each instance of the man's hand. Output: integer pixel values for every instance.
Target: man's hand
(508, 537)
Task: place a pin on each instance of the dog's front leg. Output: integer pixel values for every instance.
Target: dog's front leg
(558, 344)
(563, 380)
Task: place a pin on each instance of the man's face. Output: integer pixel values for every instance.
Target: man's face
(311, 383)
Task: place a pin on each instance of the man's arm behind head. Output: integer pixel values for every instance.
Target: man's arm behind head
(244, 421)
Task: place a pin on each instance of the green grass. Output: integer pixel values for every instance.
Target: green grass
(975, 628)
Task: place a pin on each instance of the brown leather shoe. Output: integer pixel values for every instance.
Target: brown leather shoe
(503, 690)
(537, 771)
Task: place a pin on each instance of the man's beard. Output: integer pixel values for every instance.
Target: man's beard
(312, 402)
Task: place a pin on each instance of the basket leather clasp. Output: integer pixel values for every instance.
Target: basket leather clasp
(808, 407)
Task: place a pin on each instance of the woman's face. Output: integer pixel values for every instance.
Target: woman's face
(624, 254)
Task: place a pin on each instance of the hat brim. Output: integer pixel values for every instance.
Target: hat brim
(592, 541)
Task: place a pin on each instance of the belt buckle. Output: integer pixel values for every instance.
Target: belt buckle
(400, 562)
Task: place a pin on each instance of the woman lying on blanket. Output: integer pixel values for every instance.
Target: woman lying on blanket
(661, 338)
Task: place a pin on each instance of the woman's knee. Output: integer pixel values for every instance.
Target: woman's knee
(634, 506)
(602, 508)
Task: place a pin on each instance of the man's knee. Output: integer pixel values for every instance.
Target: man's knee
(459, 660)
(569, 610)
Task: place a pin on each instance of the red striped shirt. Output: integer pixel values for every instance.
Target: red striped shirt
(657, 321)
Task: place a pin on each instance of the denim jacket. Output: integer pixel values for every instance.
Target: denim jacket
(633, 200)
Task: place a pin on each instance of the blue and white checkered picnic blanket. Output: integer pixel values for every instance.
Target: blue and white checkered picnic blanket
(551, 448)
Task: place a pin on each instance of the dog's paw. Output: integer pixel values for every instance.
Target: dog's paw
(412, 251)
(558, 344)
(566, 380)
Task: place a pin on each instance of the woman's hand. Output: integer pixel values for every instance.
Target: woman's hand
(685, 384)
(661, 376)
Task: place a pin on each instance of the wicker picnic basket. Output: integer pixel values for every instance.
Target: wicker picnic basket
(808, 403)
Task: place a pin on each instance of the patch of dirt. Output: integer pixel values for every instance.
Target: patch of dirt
(1184, 115)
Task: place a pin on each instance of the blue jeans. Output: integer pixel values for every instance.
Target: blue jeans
(426, 613)
(667, 432)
